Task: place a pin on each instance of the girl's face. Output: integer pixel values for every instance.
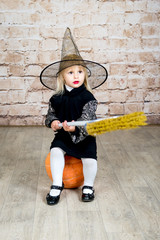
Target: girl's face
(74, 76)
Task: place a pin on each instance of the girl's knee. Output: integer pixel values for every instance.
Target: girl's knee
(57, 150)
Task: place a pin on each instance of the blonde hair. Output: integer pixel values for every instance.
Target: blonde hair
(61, 81)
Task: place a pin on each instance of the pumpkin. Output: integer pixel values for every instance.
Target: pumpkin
(72, 174)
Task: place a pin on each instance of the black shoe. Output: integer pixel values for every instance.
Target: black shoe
(87, 197)
(52, 200)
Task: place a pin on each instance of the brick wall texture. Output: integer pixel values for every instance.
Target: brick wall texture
(123, 35)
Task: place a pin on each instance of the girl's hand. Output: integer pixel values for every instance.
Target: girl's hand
(68, 128)
(54, 125)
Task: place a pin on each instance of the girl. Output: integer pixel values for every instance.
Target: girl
(73, 101)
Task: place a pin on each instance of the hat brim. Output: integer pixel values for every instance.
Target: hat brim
(97, 74)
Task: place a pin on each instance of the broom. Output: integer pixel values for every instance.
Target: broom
(100, 126)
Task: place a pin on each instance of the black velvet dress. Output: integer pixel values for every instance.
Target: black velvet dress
(78, 104)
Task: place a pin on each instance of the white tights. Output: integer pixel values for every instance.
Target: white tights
(57, 163)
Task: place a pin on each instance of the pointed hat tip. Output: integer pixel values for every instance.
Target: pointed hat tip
(68, 30)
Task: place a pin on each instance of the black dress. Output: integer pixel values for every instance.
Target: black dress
(78, 104)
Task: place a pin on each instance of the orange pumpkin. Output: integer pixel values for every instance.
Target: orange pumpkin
(72, 174)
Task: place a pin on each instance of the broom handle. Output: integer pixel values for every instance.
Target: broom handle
(83, 123)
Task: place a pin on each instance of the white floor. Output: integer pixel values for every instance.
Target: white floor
(127, 203)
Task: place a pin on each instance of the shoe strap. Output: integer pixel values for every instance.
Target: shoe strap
(57, 187)
(87, 187)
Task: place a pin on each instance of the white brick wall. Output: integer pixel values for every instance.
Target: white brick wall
(121, 35)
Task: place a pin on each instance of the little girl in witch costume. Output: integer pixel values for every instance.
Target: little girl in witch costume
(72, 78)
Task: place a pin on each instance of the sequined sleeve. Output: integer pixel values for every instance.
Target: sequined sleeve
(88, 113)
(51, 116)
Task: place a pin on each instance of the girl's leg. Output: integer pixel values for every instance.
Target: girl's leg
(57, 163)
(89, 172)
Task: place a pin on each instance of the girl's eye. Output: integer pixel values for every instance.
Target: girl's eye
(70, 72)
(80, 71)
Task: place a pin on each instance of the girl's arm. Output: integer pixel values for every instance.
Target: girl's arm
(88, 113)
(51, 116)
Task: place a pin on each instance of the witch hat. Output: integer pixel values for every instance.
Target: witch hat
(70, 56)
